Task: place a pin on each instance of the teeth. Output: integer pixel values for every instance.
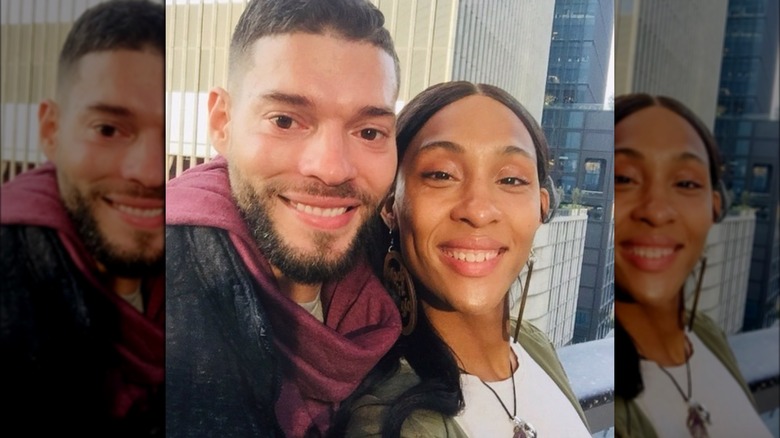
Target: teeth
(317, 211)
(651, 252)
(142, 212)
(472, 256)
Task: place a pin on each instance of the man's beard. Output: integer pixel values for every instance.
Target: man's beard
(319, 265)
(129, 263)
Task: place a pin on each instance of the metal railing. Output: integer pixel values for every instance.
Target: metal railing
(590, 368)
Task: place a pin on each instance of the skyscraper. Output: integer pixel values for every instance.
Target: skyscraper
(579, 131)
(747, 131)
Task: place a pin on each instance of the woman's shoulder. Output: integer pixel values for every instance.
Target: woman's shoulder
(368, 412)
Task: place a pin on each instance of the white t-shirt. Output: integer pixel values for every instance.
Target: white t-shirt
(731, 413)
(135, 299)
(540, 402)
(314, 308)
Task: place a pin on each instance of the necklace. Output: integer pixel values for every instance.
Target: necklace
(523, 429)
(698, 415)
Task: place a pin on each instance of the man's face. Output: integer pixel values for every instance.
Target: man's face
(309, 134)
(105, 137)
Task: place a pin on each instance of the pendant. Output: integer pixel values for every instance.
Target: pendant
(523, 429)
(698, 419)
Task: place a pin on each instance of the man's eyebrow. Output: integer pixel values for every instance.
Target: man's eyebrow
(442, 144)
(303, 101)
(114, 110)
(376, 111)
(290, 99)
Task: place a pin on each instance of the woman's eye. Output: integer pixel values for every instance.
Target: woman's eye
(513, 181)
(687, 184)
(370, 134)
(284, 122)
(621, 179)
(438, 175)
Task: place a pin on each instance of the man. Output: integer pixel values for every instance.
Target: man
(82, 239)
(273, 315)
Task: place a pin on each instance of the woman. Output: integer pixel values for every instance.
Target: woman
(467, 201)
(671, 381)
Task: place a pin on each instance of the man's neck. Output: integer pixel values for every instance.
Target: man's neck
(298, 292)
(125, 286)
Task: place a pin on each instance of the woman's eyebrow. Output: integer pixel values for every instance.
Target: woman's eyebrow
(442, 144)
(513, 149)
(630, 153)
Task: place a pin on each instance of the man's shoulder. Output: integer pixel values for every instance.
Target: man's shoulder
(21, 243)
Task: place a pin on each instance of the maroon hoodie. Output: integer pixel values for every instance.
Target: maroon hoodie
(33, 199)
(322, 363)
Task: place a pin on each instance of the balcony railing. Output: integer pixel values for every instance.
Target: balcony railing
(590, 367)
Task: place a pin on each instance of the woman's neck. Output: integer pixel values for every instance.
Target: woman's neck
(480, 343)
(656, 331)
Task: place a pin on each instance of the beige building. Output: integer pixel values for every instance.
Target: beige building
(551, 305)
(671, 48)
(725, 285)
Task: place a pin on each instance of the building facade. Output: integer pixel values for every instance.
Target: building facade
(581, 139)
(671, 48)
(747, 132)
(558, 253)
(579, 131)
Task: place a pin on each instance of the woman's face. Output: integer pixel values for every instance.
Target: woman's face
(664, 203)
(468, 202)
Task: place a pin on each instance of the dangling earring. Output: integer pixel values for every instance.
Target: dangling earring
(530, 264)
(697, 292)
(398, 279)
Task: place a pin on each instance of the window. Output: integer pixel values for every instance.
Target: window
(567, 162)
(573, 140)
(744, 129)
(762, 175)
(576, 119)
(568, 182)
(594, 174)
(743, 147)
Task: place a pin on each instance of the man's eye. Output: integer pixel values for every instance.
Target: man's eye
(370, 134)
(283, 122)
(107, 130)
(620, 179)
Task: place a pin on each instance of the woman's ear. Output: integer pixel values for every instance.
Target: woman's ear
(387, 212)
(544, 197)
(717, 205)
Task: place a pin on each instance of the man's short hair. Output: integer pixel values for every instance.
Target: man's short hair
(113, 25)
(353, 20)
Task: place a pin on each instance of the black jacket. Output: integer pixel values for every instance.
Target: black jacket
(222, 372)
(56, 345)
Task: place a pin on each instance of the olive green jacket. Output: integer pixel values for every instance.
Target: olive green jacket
(630, 422)
(368, 412)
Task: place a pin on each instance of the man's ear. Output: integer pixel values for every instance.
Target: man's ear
(544, 198)
(48, 125)
(387, 212)
(219, 119)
